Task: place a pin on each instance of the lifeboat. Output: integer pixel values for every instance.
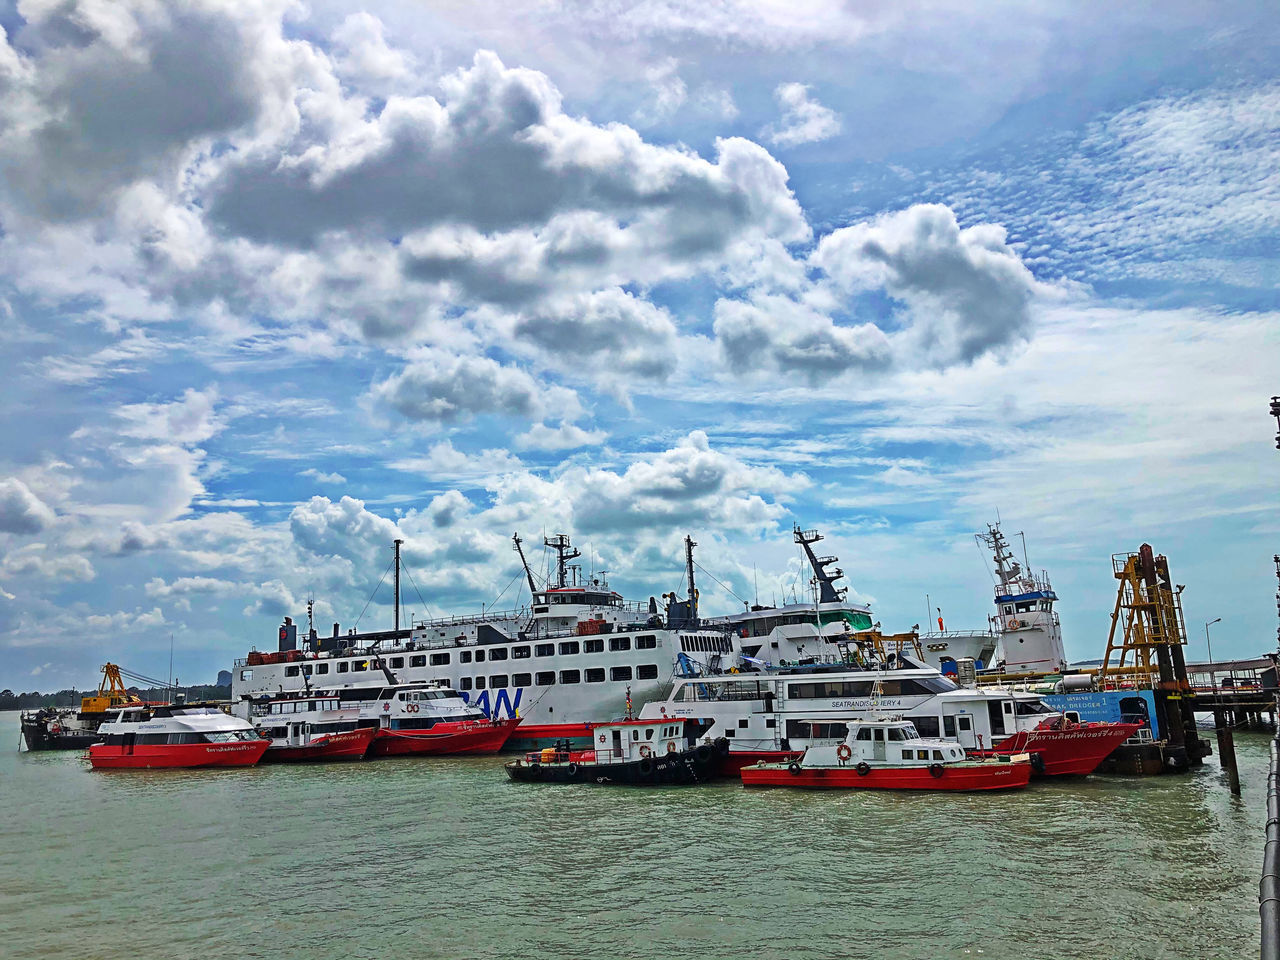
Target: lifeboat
(175, 735)
(632, 753)
(891, 755)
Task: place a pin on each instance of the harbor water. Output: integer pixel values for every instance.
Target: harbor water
(423, 858)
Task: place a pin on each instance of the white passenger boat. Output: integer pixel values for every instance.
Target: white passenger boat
(176, 735)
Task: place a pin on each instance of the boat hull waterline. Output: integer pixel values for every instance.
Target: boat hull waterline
(447, 738)
(967, 776)
(347, 745)
(160, 756)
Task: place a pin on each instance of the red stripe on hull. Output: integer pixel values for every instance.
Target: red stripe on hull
(996, 777)
(1075, 751)
(348, 745)
(162, 755)
(463, 737)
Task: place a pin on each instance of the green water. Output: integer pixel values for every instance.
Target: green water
(445, 858)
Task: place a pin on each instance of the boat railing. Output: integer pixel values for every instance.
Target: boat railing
(462, 620)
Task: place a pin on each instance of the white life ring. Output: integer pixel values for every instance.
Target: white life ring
(411, 708)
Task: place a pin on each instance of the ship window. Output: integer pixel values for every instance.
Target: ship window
(906, 754)
(620, 643)
(920, 754)
(359, 666)
(647, 642)
(966, 723)
(593, 646)
(322, 668)
(479, 656)
(647, 671)
(246, 675)
(522, 680)
(397, 663)
(498, 681)
(770, 723)
(619, 673)
(877, 733)
(520, 653)
(928, 726)
(545, 650)
(344, 666)
(948, 726)
(479, 683)
(568, 648)
(420, 661)
(648, 733)
(546, 678)
(595, 675)
(1008, 608)
(498, 653)
(635, 734)
(291, 671)
(863, 734)
(937, 755)
(464, 683)
(570, 676)
(439, 659)
(464, 656)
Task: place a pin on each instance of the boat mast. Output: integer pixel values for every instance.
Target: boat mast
(398, 542)
(828, 592)
(533, 587)
(693, 592)
(564, 553)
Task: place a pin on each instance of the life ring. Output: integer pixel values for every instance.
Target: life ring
(671, 746)
(602, 738)
(410, 708)
(935, 770)
(844, 752)
(645, 751)
(863, 768)
(793, 768)
(1013, 624)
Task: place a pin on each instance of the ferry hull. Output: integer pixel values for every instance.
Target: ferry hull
(446, 738)
(159, 756)
(1071, 752)
(348, 745)
(1004, 776)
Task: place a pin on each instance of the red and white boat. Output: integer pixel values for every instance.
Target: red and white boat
(891, 755)
(316, 727)
(176, 735)
(426, 719)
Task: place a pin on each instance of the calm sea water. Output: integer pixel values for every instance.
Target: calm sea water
(446, 858)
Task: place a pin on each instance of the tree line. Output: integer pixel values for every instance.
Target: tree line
(71, 698)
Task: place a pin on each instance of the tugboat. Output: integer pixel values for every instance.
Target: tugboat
(891, 755)
(630, 752)
(176, 735)
(426, 719)
(52, 729)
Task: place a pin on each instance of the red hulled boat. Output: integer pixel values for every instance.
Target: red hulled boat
(891, 755)
(423, 719)
(1064, 748)
(177, 735)
(307, 746)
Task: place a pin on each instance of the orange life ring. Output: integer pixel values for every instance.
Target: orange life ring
(844, 752)
(645, 751)
(1013, 624)
(671, 746)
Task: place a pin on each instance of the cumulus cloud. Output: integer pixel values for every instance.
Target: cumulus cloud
(439, 388)
(37, 559)
(188, 420)
(445, 461)
(804, 120)
(344, 529)
(966, 290)
(322, 477)
(564, 436)
(21, 511)
(667, 92)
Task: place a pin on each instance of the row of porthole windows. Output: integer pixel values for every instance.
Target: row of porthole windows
(565, 648)
(546, 678)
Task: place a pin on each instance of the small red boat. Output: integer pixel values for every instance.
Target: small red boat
(303, 745)
(422, 719)
(176, 735)
(1061, 748)
(891, 755)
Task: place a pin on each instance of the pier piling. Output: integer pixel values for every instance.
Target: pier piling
(1227, 750)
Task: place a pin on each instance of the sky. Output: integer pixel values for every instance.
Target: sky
(282, 282)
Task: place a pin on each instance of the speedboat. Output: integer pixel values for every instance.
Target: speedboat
(176, 735)
(631, 752)
(891, 755)
(425, 719)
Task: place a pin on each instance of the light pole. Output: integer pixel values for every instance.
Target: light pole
(1212, 680)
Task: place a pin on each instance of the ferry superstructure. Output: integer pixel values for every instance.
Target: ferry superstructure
(1025, 621)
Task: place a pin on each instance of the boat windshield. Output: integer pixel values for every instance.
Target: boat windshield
(230, 736)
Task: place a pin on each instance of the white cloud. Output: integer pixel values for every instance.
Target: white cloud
(445, 462)
(564, 436)
(322, 477)
(186, 421)
(668, 93)
(21, 511)
(39, 560)
(804, 120)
